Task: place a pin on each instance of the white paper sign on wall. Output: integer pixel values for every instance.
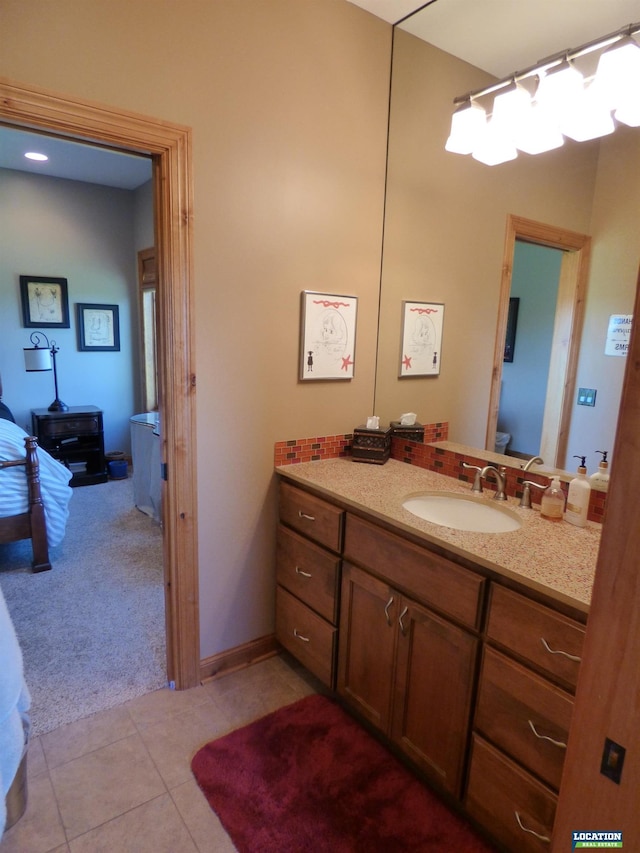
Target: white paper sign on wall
(618, 334)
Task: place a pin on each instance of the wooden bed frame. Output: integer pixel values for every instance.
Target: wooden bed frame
(30, 524)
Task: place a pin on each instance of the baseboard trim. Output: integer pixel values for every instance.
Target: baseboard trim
(238, 658)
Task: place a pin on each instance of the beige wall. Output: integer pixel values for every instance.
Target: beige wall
(288, 104)
(444, 235)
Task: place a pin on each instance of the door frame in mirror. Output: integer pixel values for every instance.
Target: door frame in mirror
(565, 348)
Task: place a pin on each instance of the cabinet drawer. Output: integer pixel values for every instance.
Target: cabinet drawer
(432, 579)
(507, 801)
(316, 518)
(512, 702)
(309, 638)
(550, 641)
(309, 572)
(69, 427)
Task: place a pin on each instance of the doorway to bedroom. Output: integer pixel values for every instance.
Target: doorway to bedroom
(169, 148)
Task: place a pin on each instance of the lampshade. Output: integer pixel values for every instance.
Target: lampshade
(587, 116)
(494, 146)
(618, 73)
(558, 88)
(37, 358)
(467, 124)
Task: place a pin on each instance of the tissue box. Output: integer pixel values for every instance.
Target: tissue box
(415, 432)
(371, 445)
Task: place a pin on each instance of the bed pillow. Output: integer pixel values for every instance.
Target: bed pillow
(5, 412)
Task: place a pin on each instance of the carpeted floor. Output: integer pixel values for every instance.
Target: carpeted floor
(92, 630)
(309, 778)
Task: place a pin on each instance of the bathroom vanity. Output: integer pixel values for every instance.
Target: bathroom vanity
(462, 649)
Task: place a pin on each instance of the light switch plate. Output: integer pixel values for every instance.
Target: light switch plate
(587, 396)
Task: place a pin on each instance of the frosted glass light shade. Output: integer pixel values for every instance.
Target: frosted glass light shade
(494, 146)
(467, 125)
(37, 358)
(559, 88)
(629, 112)
(588, 117)
(618, 73)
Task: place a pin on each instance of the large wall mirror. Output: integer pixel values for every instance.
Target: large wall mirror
(447, 221)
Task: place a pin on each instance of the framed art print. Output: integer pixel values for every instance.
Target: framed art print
(327, 336)
(45, 302)
(421, 338)
(98, 328)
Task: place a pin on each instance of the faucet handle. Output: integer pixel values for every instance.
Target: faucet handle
(477, 482)
(525, 500)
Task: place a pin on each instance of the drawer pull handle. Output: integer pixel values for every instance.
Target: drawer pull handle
(559, 651)
(544, 838)
(546, 737)
(401, 623)
(304, 515)
(300, 637)
(386, 610)
(304, 574)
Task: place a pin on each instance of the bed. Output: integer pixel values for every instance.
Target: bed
(34, 491)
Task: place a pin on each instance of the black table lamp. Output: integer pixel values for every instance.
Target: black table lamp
(38, 358)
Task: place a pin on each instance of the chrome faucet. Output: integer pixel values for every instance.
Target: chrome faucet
(477, 484)
(500, 477)
(535, 461)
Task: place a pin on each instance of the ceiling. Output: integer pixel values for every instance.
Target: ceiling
(72, 160)
(503, 36)
(498, 36)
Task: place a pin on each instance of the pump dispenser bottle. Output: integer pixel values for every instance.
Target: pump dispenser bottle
(552, 501)
(578, 496)
(601, 476)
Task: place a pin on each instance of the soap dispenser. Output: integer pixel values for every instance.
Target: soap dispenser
(578, 496)
(552, 501)
(601, 476)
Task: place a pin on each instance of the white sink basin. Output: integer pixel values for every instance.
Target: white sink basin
(462, 512)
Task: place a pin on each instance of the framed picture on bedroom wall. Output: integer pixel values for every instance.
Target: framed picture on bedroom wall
(98, 327)
(327, 336)
(45, 302)
(421, 338)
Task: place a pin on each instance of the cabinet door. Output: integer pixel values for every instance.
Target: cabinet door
(368, 616)
(436, 663)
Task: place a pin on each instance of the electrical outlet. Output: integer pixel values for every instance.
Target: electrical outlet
(612, 760)
(587, 396)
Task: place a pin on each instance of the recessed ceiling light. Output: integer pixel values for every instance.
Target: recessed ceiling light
(33, 155)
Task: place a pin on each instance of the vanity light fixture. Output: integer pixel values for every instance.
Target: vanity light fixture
(579, 94)
(38, 358)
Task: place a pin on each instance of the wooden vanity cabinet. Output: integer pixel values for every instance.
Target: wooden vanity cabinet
(523, 713)
(405, 668)
(309, 541)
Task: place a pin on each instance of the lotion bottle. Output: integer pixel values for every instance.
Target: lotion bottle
(601, 476)
(552, 502)
(578, 496)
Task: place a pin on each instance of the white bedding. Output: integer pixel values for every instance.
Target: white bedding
(54, 483)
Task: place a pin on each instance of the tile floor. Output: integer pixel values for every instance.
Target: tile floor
(120, 780)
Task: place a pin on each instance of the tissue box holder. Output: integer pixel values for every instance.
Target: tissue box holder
(415, 432)
(371, 445)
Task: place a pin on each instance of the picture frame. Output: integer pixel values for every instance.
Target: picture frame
(98, 327)
(45, 302)
(327, 336)
(512, 324)
(421, 329)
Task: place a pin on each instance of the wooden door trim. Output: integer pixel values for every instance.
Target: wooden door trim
(170, 147)
(574, 274)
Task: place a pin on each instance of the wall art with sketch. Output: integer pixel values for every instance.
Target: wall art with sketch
(421, 338)
(327, 336)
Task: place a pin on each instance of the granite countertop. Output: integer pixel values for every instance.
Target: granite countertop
(555, 558)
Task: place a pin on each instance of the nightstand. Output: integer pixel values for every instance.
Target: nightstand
(76, 439)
